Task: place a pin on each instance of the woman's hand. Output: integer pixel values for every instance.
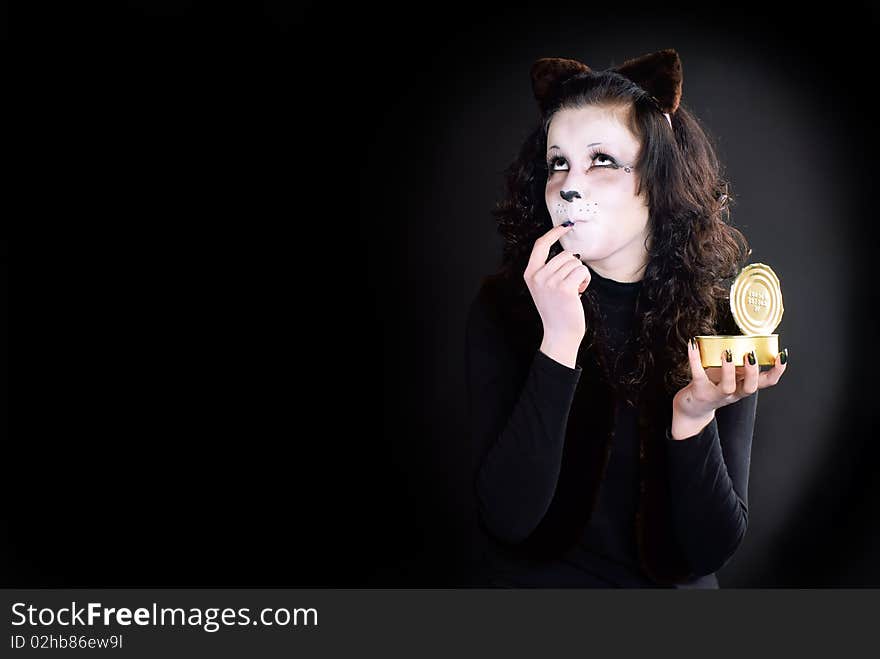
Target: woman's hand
(713, 387)
(556, 288)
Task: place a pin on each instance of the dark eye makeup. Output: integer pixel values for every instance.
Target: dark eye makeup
(553, 160)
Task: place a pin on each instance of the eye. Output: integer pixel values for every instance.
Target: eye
(602, 156)
(597, 159)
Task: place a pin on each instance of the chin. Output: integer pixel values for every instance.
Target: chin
(586, 248)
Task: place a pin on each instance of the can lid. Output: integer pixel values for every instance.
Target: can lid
(756, 299)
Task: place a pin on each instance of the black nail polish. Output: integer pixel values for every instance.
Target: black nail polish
(567, 223)
(577, 256)
(728, 355)
(752, 358)
(783, 356)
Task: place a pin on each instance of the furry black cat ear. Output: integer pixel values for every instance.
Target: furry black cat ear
(549, 72)
(659, 74)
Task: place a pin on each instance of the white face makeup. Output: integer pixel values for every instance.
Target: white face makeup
(591, 182)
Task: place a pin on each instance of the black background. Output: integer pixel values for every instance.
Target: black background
(240, 364)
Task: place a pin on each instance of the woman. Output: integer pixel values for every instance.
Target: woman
(607, 456)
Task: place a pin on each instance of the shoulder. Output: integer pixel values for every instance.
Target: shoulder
(494, 300)
(488, 292)
(503, 308)
(725, 323)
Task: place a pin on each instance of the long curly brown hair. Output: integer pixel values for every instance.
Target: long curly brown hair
(694, 252)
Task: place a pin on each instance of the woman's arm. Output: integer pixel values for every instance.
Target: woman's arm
(709, 478)
(518, 429)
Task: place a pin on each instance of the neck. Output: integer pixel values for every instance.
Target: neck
(622, 275)
(628, 264)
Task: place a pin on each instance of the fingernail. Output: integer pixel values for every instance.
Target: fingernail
(567, 223)
(577, 255)
(783, 356)
(752, 358)
(693, 343)
(728, 355)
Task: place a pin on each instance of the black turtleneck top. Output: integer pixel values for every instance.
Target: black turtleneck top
(608, 545)
(708, 473)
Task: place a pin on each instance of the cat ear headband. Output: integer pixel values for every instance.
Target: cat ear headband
(658, 73)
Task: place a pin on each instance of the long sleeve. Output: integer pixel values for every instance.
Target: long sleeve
(709, 478)
(518, 428)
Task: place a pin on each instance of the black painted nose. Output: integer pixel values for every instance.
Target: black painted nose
(569, 195)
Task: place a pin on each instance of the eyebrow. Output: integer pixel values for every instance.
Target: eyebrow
(589, 145)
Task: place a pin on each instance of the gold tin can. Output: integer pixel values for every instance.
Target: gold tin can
(756, 305)
(712, 349)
